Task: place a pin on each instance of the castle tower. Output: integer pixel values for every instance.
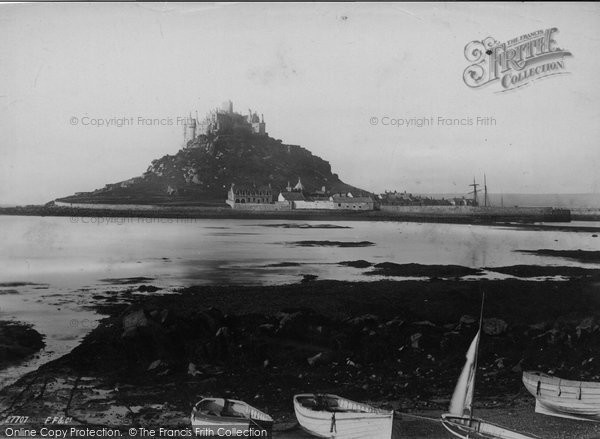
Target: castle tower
(227, 107)
(262, 126)
(258, 126)
(189, 129)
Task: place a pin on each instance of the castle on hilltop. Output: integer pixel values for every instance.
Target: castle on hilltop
(223, 120)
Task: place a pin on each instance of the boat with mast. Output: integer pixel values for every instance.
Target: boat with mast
(460, 420)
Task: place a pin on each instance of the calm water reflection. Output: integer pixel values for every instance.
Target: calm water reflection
(63, 261)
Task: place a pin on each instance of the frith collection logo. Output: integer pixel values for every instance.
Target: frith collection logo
(515, 63)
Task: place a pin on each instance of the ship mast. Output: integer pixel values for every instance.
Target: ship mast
(485, 197)
(474, 191)
(476, 356)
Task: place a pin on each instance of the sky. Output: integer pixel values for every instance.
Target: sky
(319, 73)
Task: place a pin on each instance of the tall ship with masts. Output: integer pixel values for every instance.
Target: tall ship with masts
(471, 208)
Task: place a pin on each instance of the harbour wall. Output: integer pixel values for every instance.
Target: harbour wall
(278, 206)
(586, 214)
(480, 212)
(465, 214)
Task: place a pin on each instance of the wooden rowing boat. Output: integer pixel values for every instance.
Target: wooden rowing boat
(459, 420)
(332, 416)
(564, 398)
(228, 417)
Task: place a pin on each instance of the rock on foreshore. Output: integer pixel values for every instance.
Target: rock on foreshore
(17, 342)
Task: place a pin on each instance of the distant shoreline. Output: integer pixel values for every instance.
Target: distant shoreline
(307, 215)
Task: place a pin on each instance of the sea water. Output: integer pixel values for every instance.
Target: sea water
(53, 266)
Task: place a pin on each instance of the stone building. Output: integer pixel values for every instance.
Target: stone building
(346, 202)
(243, 194)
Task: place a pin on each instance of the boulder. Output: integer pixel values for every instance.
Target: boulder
(292, 324)
(192, 370)
(396, 322)
(147, 288)
(155, 364)
(424, 323)
(308, 278)
(414, 340)
(494, 326)
(303, 324)
(208, 322)
(467, 320)
(539, 326)
(365, 320)
(133, 321)
(587, 325)
(518, 368)
(314, 360)
(320, 358)
(267, 328)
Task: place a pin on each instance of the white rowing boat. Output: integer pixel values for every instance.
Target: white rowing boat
(331, 416)
(564, 398)
(228, 417)
(459, 420)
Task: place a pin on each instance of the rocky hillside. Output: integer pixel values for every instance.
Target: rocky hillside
(202, 172)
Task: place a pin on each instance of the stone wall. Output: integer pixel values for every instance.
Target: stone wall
(467, 210)
(99, 206)
(353, 206)
(537, 214)
(262, 207)
(316, 205)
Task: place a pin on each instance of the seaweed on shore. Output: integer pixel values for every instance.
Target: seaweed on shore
(537, 271)
(17, 284)
(577, 255)
(305, 226)
(11, 291)
(333, 243)
(361, 263)
(127, 280)
(420, 270)
(283, 264)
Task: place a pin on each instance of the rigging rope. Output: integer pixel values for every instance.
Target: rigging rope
(418, 417)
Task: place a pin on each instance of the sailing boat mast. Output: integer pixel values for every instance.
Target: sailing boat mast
(476, 356)
(485, 197)
(474, 191)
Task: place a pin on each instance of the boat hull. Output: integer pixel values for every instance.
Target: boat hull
(352, 420)
(245, 421)
(467, 428)
(564, 398)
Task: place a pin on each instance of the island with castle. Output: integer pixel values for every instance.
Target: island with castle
(230, 155)
(228, 165)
